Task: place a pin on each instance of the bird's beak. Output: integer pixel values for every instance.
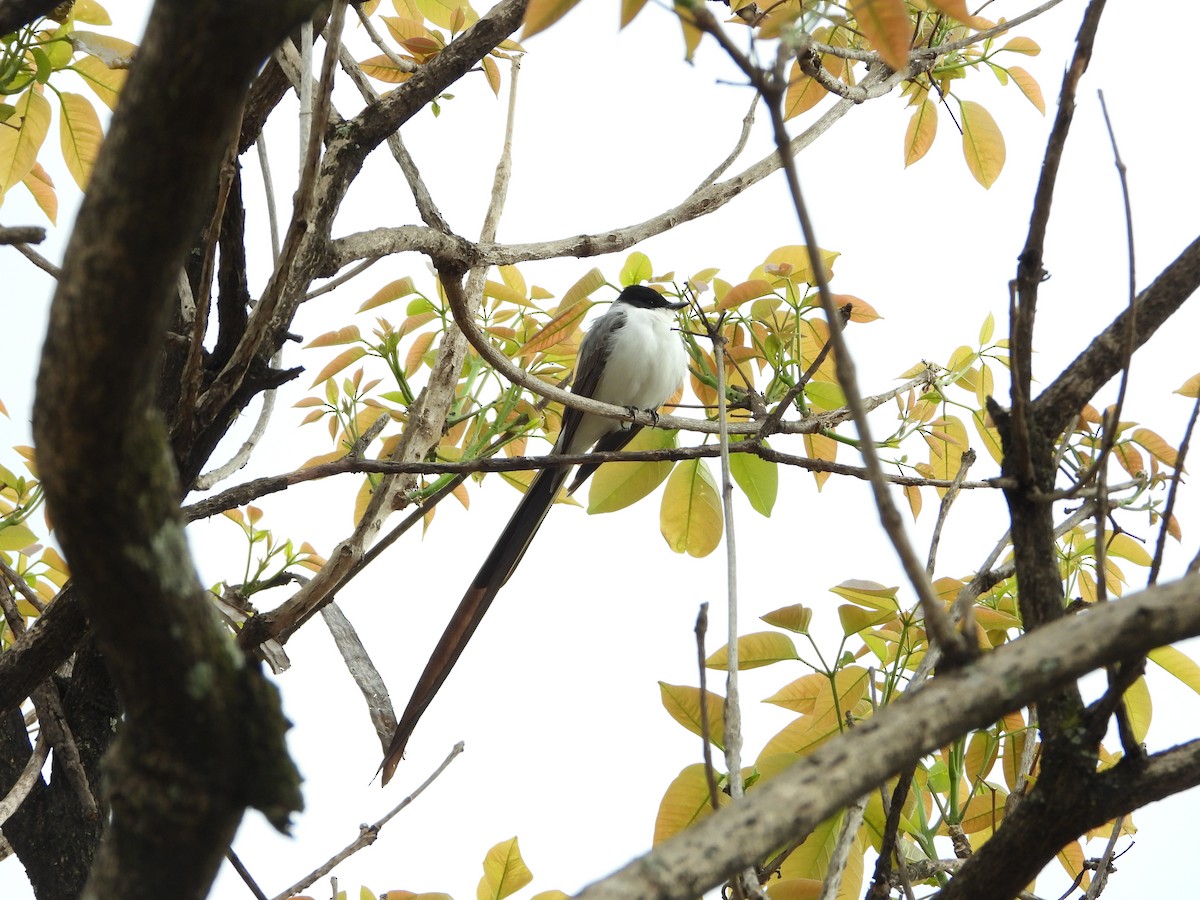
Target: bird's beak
(677, 305)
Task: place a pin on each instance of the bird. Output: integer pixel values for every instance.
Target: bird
(630, 357)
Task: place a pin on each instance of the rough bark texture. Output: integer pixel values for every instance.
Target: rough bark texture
(202, 739)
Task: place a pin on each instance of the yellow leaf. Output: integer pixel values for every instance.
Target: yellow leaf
(492, 73)
(855, 619)
(761, 648)
(794, 888)
(886, 25)
(1191, 387)
(104, 82)
(504, 872)
(80, 134)
(685, 802)
(1139, 708)
(803, 93)
(989, 434)
(758, 479)
(39, 184)
(794, 618)
(339, 362)
(690, 517)
(691, 34)
(442, 13)
(912, 494)
(618, 485)
(19, 143)
(630, 9)
(1155, 446)
(870, 594)
(1178, 664)
(1029, 87)
(792, 263)
(90, 12)
(1124, 546)
(822, 447)
(541, 14)
(1070, 858)
(922, 129)
(683, 705)
(1022, 45)
(814, 695)
(983, 144)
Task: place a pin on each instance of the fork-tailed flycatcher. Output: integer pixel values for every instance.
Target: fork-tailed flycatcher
(630, 358)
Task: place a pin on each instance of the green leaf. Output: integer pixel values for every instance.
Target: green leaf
(16, 537)
(636, 269)
(983, 144)
(758, 478)
(690, 517)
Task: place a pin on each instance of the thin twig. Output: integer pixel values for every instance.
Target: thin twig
(1100, 880)
(710, 775)
(1176, 480)
(368, 833)
(244, 874)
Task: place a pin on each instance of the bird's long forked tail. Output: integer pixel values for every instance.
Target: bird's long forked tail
(495, 571)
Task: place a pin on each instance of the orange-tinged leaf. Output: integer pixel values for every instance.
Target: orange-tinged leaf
(1029, 87)
(1155, 446)
(912, 494)
(40, 185)
(955, 9)
(803, 93)
(393, 290)
(504, 872)
(983, 144)
(80, 134)
(685, 802)
(922, 129)
(762, 648)
(690, 517)
(886, 25)
(618, 485)
(381, 68)
(860, 310)
(814, 695)
(583, 288)
(740, 293)
(347, 335)
(794, 618)
(541, 14)
(557, 329)
(339, 362)
(793, 263)
(794, 888)
(19, 143)
(420, 346)
(682, 702)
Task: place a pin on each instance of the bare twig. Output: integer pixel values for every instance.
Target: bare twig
(368, 833)
(714, 792)
(363, 671)
(1103, 866)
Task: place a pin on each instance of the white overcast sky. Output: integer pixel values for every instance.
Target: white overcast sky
(567, 744)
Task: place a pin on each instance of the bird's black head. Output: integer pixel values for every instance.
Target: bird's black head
(648, 298)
